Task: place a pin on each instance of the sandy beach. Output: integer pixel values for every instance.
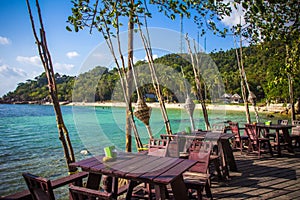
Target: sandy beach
(230, 107)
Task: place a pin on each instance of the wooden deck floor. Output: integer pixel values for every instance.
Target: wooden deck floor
(264, 178)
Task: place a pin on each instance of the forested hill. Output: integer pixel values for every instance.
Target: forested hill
(263, 66)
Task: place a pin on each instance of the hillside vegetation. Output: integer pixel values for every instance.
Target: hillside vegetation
(262, 65)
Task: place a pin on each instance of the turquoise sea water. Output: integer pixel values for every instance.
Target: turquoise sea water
(29, 137)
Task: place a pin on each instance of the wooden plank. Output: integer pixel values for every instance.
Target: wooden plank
(69, 179)
(148, 167)
(23, 195)
(261, 178)
(81, 162)
(122, 168)
(159, 168)
(141, 167)
(260, 174)
(87, 165)
(174, 172)
(107, 167)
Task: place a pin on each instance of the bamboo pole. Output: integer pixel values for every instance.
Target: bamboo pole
(47, 63)
(198, 84)
(124, 83)
(155, 81)
(142, 111)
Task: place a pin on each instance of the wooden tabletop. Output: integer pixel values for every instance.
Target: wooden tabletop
(285, 133)
(202, 135)
(139, 167)
(274, 126)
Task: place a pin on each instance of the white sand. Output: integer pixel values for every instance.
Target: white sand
(173, 105)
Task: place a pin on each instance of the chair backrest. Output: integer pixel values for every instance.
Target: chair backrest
(251, 132)
(158, 147)
(296, 122)
(234, 127)
(200, 151)
(283, 121)
(218, 128)
(296, 129)
(39, 187)
(82, 193)
(167, 137)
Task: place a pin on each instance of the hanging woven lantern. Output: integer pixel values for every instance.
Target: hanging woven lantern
(142, 111)
(189, 105)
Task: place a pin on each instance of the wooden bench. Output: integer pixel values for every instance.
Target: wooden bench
(25, 194)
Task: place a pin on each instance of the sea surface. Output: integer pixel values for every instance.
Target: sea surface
(29, 137)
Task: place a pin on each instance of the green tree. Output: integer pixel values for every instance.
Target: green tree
(276, 20)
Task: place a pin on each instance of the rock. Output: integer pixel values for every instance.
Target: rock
(84, 152)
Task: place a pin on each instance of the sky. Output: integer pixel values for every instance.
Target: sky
(70, 51)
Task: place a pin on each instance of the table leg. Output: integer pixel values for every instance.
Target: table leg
(288, 139)
(179, 189)
(93, 181)
(131, 186)
(160, 192)
(278, 143)
(228, 155)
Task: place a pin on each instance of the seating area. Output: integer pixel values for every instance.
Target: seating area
(256, 143)
(240, 139)
(198, 176)
(214, 166)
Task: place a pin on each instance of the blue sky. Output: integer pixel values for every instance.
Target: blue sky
(19, 59)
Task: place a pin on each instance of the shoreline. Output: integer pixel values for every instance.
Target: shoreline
(230, 107)
(267, 109)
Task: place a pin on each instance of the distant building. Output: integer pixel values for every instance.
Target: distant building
(236, 98)
(226, 98)
(150, 97)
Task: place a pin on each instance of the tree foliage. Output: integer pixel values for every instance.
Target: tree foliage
(263, 68)
(276, 21)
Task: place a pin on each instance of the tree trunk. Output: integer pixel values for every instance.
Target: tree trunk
(243, 87)
(198, 83)
(290, 82)
(48, 67)
(129, 110)
(291, 92)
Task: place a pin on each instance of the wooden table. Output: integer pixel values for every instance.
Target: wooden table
(222, 140)
(285, 132)
(159, 171)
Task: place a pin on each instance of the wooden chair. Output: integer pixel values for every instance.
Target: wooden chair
(82, 193)
(167, 137)
(257, 144)
(295, 135)
(272, 136)
(198, 177)
(218, 128)
(158, 147)
(39, 187)
(239, 141)
(42, 189)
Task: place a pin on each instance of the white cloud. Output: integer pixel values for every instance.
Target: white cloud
(9, 77)
(4, 41)
(236, 16)
(154, 57)
(72, 54)
(7, 72)
(33, 60)
(62, 67)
